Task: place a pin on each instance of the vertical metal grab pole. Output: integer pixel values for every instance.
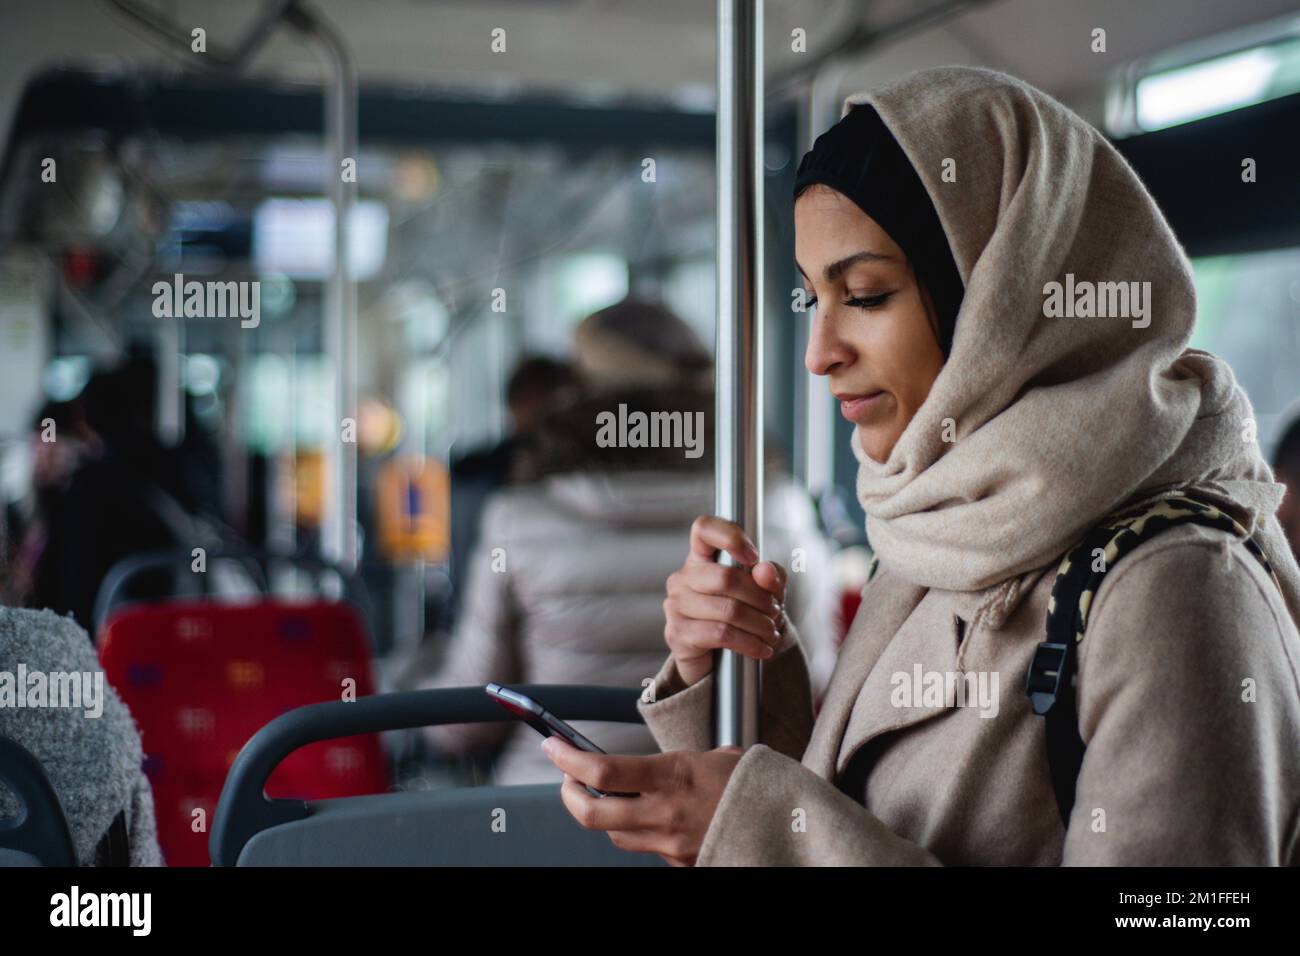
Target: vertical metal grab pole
(739, 458)
(339, 521)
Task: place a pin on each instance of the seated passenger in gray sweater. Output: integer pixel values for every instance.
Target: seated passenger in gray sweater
(80, 731)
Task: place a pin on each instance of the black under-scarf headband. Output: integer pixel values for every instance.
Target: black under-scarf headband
(860, 158)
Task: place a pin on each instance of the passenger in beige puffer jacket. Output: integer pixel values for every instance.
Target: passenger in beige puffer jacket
(567, 583)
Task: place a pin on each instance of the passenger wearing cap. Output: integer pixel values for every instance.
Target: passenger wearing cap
(992, 438)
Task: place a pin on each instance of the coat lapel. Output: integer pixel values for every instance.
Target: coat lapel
(913, 666)
(886, 603)
(902, 628)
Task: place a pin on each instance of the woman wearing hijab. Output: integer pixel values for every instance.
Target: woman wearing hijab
(992, 434)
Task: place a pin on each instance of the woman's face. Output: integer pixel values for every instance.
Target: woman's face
(872, 333)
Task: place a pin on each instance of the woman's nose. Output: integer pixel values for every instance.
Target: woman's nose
(826, 350)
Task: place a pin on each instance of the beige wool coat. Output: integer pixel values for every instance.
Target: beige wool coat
(1036, 428)
(1179, 768)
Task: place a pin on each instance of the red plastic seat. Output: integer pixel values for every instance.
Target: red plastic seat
(200, 679)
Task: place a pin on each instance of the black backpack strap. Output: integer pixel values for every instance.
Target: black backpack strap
(1050, 683)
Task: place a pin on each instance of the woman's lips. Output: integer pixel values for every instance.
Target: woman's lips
(857, 407)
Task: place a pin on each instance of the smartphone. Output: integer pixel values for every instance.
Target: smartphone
(547, 724)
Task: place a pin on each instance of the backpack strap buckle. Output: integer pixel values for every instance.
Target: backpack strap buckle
(1051, 674)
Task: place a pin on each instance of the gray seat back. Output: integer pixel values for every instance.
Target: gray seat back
(475, 826)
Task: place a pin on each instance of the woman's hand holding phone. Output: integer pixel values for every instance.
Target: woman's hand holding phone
(677, 796)
(711, 606)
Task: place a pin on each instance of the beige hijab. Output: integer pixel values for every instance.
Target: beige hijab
(1056, 421)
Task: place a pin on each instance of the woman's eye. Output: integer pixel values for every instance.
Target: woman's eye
(868, 302)
(856, 302)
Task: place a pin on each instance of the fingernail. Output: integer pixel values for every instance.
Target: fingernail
(767, 652)
(547, 745)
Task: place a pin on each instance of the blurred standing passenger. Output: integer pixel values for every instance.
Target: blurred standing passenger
(566, 585)
(61, 441)
(111, 503)
(90, 751)
(536, 385)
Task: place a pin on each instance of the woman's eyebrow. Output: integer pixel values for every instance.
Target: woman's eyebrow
(835, 269)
